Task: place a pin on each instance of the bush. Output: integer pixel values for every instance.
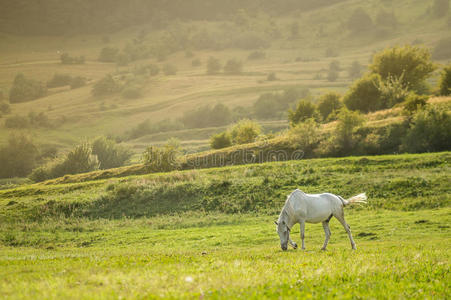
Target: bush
(109, 154)
(328, 104)
(206, 116)
(430, 130)
(196, 62)
(213, 66)
(440, 8)
(131, 92)
(332, 75)
(169, 69)
(364, 94)
(267, 106)
(257, 54)
(59, 80)
(154, 70)
(66, 59)
(105, 86)
(304, 110)
(77, 82)
(25, 89)
(393, 91)
(271, 77)
(5, 108)
(233, 67)
(18, 157)
(359, 21)
(162, 159)
(445, 81)
(108, 54)
(305, 136)
(413, 64)
(355, 70)
(245, 131)
(221, 140)
(17, 122)
(413, 103)
(443, 49)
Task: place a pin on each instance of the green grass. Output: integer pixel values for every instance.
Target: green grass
(210, 233)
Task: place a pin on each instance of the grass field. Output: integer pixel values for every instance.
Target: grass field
(210, 233)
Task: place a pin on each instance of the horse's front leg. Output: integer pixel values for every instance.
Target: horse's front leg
(293, 244)
(302, 223)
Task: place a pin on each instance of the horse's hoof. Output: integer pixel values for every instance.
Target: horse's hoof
(295, 246)
(323, 249)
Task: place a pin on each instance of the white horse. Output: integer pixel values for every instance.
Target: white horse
(313, 208)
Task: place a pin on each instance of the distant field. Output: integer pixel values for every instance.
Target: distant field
(210, 233)
(298, 62)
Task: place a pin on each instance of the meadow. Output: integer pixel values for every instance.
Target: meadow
(210, 234)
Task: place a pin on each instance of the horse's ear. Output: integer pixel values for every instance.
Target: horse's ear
(275, 222)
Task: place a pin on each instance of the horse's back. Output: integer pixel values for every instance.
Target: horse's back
(314, 208)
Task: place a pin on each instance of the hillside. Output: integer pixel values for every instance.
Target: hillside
(300, 61)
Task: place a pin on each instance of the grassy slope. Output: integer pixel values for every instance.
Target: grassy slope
(157, 242)
(171, 96)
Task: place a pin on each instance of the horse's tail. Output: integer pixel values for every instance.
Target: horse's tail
(360, 198)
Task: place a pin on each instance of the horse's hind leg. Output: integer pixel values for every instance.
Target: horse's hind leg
(341, 218)
(327, 232)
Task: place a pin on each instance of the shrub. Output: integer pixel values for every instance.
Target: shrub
(25, 89)
(206, 116)
(430, 130)
(108, 54)
(393, 91)
(332, 75)
(267, 106)
(5, 108)
(109, 154)
(355, 70)
(271, 77)
(221, 140)
(169, 69)
(257, 54)
(304, 110)
(413, 64)
(245, 131)
(162, 159)
(213, 66)
(17, 122)
(413, 103)
(305, 136)
(18, 157)
(105, 86)
(334, 65)
(343, 140)
(328, 104)
(77, 82)
(66, 59)
(443, 49)
(131, 92)
(59, 80)
(364, 94)
(445, 81)
(359, 21)
(233, 67)
(154, 70)
(196, 62)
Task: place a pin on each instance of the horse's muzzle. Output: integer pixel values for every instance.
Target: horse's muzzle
(284, 248)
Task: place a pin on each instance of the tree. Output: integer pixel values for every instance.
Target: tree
(109, 154)
(304, 110)
(344, 140)
(245, 131)
(359, 21)
(233, 67)
(221, 140)
(266, 106)
(328, 104)
(163, 159)
(18, 157)
(445, 81)
(169, 69)
(105, 86)
(355, 70)
(213, 66)
(305, 136)
(78, 160)
(108, 54)
(332, 75)
(364, 95)
(25, 89)
(411, 63)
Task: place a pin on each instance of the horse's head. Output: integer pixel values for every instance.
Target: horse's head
(284, 232)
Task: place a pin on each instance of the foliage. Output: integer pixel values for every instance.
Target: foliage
(162, 159)
(305, 136)
(221, 140)
(410, 63)
(17, 122)
(430, 130)
(257, 54)
(271, 77)
(108, 54)
(207, 116)
(59, 80)
(245, 131)
(328, 104)
(196, 62)
(213, 66)
(5, 108)
(364, 94)
(445, 81)
(233, 67)
(105, 86)
(359, 21)
(18, 157)
(355, 70)
(169, 69)
(146, 127)
(109, 154)
(393, 91)
(332, 75)
(413, 103)
(386, 19)
(77, 82)
(131, 92)
(440, 8)
(66, 59)
(25, 89)
(443, 49)
(305, 109)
